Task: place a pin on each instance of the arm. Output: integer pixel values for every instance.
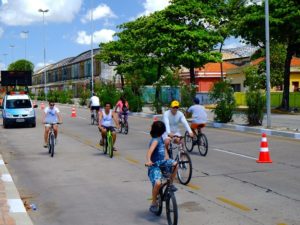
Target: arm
(186, 124)
(150, 152)
(116, 119)
(59, 117)
(167, 122)
(100, 118)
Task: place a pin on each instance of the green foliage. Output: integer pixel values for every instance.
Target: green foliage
(223, 95)
(41, 95)
(21, 65)
(108, 93)
(188, 92)
(256, 103)
(84, 95)
(134, 100)
(255, 78)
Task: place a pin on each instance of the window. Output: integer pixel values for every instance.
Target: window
(18, 103)
(236, 87)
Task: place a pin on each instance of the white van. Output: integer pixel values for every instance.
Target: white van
(17, 108)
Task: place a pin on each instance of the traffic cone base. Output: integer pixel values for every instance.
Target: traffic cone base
(73, 112)
(264, 155)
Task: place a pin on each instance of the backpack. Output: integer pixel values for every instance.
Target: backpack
(124, 108)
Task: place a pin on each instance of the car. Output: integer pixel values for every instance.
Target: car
(17, 108)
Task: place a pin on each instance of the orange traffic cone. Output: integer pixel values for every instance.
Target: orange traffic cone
(42, 106)
(264, 156)
(73, 112)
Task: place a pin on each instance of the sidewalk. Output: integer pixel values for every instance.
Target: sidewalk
(284, 125)
(12, 208)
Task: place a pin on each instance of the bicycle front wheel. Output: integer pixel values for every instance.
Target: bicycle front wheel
(188, 142)
(104, 146)
(110, 145)
(52, 143)
(160, 202)
(202, 145)
(172, 209)
(184, 172)
(119, 130)
(126, 127)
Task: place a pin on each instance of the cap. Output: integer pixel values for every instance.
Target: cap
(174, 104)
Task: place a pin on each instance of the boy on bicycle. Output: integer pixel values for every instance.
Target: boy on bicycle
(51, 115)
(199, 116)
(107, 118)
(158, 156)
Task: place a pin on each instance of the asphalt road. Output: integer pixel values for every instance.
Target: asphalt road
(80, 185)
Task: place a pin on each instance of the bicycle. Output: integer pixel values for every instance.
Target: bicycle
(94, 117)
(51, 139)
(108, 142)
(166, 194)
(199, 139)
(124, 127)
(184, 172)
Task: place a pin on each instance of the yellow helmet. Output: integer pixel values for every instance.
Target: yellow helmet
(174, 104)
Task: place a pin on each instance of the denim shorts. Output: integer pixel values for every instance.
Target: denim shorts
(154, 172)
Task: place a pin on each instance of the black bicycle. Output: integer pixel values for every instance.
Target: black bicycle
(94, 117)
(199, 139)
(123, 121)
(166, 194)
(51, 139)
(184, 172)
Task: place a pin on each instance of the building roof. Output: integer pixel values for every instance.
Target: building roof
(294, 63)
(240, 52)
(216, 67)
(83, 56)
(62, 62)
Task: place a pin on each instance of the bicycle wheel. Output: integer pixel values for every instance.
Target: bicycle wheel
(104, 147)
(119, 130)
(126, 127)
(188, 142)
(92, 119)
(184, 172)
(202, 145)
(52, 144)
(49, 144)
(110, 145)
(172, 209)
(160, 198)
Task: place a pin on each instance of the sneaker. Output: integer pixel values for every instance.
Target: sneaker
(154, 209)
(55, 142)
(173, 188)
(101, 143)
(45, 145)
(114, 149)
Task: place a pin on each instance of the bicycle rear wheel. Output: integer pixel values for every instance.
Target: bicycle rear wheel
(110, 145)
(92, 119)
(184, 172)
(172, 209)
(119, 130)
(202, 145)
(52, 144)
(188, 142)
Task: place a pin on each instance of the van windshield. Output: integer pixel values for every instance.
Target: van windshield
(18, 104)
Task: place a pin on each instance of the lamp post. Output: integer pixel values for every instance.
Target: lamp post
(268, 102)
(44, 11)
(25, 36)
(92, 50)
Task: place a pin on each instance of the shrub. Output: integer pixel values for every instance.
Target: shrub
(222, 95)
(256, 103)
(187, 92)
(134, 100)
(108, 93)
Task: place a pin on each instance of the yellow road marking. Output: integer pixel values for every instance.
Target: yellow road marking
(281, 224)
(131, 160)
(234, 204)
(194, 187)
(88, 142)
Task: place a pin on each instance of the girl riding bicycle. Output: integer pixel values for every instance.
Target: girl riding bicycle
(158, 156)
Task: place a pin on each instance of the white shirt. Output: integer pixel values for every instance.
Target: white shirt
(94, 100)
(172, 121)
(51, 115)
(107, 120)
(198, 114)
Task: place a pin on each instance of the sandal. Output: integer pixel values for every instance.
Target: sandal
(153, 208)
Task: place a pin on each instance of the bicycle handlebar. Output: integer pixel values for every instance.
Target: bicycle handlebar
(53, 123)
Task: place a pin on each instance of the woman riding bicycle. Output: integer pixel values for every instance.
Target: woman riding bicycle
(122, 108)
(158, 156)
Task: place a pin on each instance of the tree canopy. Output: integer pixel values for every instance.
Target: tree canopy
(21, 65)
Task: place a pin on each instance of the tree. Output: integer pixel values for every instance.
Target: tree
(284, 29)
(21, 65)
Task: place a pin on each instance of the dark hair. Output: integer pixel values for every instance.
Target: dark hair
(157, 129)
(123, 100)
(107, 103)
(196, 100)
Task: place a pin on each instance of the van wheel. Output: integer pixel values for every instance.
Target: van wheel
(4, 124)
(33, 125)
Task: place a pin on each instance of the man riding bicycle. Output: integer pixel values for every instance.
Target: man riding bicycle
(199, 116)
(106, 119)
(51, 115)
(172, 118)
(94, 104)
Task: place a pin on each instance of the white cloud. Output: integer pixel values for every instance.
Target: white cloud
(103, 35)
(154, 5)
(25, 12)
(41, 64)
(102, 11)
(1, 32)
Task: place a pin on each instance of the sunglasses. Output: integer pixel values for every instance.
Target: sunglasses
(51, 104)
(175, 107)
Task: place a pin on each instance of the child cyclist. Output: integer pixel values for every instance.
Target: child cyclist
(157, 155)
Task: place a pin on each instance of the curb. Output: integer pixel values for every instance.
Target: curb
(240, 128)
(15, 205)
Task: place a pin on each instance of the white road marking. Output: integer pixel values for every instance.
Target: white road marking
(16, 206)
(233, 153)
(1, 162)
(6, 177)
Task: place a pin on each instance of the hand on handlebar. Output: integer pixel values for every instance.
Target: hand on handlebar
(148, 164)
(191, 134)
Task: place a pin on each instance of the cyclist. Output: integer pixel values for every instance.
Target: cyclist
(94, 104)
(106, 118)
(172, 118)
(51, 115)
(199, 116)
(122, 107)
(158, 156)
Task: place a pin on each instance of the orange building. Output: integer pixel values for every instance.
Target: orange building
(208, 75)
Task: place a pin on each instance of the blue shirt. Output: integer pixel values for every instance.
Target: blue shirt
(159, 151)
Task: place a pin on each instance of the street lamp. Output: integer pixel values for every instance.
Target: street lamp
(25, 36)
(92, 50)
(44, 11)
(267, 33)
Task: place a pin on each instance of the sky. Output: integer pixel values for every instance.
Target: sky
(67, 27)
